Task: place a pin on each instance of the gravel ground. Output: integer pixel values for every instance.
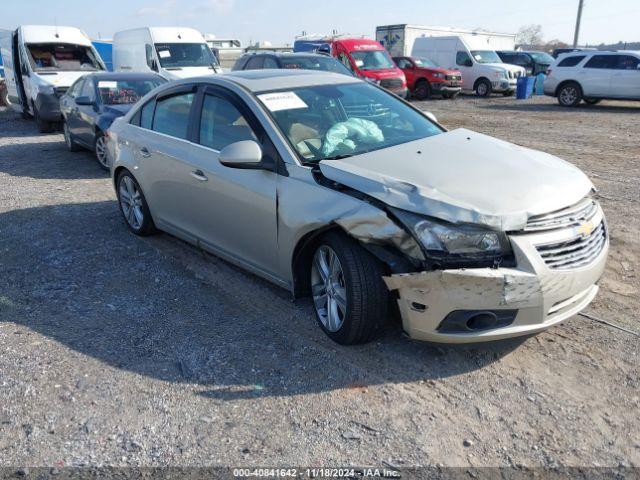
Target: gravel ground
(117, 350)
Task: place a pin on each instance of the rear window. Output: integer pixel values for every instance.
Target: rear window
(571, 61)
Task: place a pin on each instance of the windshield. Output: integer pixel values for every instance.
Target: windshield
(486, 56)
(541, 57)
(337, 121)
(327, 64)
(62, 57)
(425, 62)
(176, 55)
(372, 60)
(124, 92)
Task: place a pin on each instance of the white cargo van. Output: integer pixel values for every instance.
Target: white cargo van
(481, 68)
(226, 50)
(40, 63)
(172, 52)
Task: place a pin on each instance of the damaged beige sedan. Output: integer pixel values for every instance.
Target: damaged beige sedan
(333, 188)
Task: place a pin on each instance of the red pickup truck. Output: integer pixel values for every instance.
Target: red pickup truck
(425, 78)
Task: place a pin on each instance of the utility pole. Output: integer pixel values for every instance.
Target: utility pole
(577, 31)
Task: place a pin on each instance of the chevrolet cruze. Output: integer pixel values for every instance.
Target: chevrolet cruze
(333, 188)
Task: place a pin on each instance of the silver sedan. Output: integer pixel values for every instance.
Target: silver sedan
(333, 188)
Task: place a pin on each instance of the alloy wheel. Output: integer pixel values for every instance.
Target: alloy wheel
(131, 202)
(569, 95)
(101, 151)
(328, 288)
(482, 89)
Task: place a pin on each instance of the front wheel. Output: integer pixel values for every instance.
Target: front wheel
(569, 95)
(100, 148)
(134, 206)
(483, 88)
(422, 90)
(349, 295)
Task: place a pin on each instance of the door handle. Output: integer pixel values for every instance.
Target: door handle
(145, 152)
(199, 175)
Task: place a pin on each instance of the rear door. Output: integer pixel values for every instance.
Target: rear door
(625, 80)
(595, 76)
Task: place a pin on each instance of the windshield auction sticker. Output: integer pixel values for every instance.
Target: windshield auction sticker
(282, 101)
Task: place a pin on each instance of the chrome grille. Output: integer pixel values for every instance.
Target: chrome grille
(575, 252)
(391, 83)
(455, 78)
(567, 217)
(366, 110)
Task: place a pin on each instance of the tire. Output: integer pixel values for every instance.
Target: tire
(4, 97)
(71, 145)
(136, 216)
(422, 90)
(569, 94)
(100, 149)
(356, 284)
(592, 101)
(483, 88)
(43, 125)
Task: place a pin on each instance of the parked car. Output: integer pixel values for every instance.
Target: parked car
(592, 76)
(532, 61)
(481, 68)
(366, 58)
(41, 62)
(296, 61)
(94, 101)
(426, 78)
(171, 52)
(332, 187)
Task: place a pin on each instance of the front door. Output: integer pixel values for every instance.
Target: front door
(234, 210)
(83, 128)
(625, 80)
(464, 63)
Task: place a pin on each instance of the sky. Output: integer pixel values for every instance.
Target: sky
(279, 21)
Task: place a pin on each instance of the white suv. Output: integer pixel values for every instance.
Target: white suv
(593, 76)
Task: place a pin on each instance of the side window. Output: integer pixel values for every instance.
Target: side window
(571, 61)
(75, 89)
(172, 115)
(602, 61)
(506, 57)
(627, 62)
(254, 63)
(146, 115)
(88, 90)
(403, 63)
(149, 53)
(463, 59)
(345, 60)
(221, 124)
(269, 63)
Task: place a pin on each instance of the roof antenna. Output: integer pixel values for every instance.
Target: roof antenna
(55, 23)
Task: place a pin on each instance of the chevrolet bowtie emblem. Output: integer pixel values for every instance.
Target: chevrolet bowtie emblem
(585, 229)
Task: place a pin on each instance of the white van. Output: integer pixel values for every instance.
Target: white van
(40, 63)
(481, 68)
(172, 52)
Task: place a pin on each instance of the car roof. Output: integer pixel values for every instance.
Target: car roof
(264, 80)
(290, 54)
(124, 76)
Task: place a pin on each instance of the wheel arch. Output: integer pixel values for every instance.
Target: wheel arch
(478, 80)
(566, 82)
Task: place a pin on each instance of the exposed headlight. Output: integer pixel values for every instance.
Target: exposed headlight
(46, 89)
(456, 242)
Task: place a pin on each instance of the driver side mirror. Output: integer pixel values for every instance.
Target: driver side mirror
(24, 70)
(84, 100)
(246, 154)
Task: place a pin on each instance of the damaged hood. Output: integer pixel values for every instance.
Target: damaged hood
(464, 177)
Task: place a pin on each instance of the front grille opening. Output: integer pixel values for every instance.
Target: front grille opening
(571, 216)
(575, 252)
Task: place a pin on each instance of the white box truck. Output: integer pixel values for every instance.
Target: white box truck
(399, 39)
(40, 64)
(172, 52)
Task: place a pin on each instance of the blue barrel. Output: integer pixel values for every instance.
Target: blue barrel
(524, 87)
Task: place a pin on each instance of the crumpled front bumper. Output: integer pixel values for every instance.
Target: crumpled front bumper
(48, 105)
(542, 296)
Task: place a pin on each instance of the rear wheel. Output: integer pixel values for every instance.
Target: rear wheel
(71, 145)
(100, 147)
(349, 295)
(483, 88)
(134, 206)
(569, 94)
(422, 91)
